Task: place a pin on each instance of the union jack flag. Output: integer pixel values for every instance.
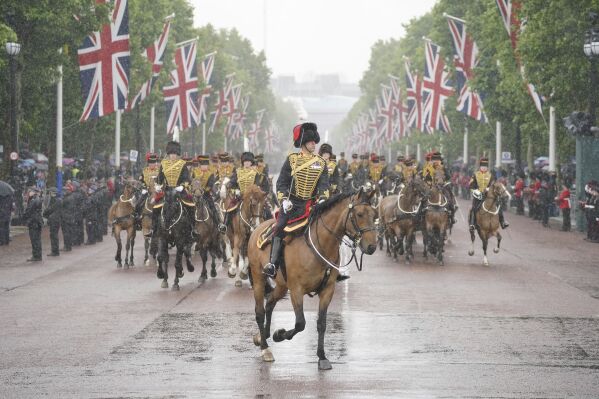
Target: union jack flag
(385, 113)
(509, 16)
(223, 104)
(373, 126)
(400, 127)
(414, 100)
(104, 65)
(181, 97)
(436, 88)
(469, 101)
(239, 117)
(154, 54)
(232, 113)
(270, 137)
(207, 68)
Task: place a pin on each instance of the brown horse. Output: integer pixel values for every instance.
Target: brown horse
(487, 219)
(436, 221)
(244, 220)
(406, 218)
(209, 239)
(387, 209)
(121, 217)
(310, 265)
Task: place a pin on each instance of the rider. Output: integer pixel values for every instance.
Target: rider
(398, 168)
(304, 178)
(410, 170)
(375, 172)
(148, 179)
(225, 166)
(435, 166)
(354, 165)
(207, 177)
(326, 152)
(174, 174)
(261, 166)
(479, 185)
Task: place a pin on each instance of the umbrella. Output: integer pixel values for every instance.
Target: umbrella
(5, 189)
(41, 166)
(39, 157)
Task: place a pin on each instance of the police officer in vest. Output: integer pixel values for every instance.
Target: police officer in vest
(34, 220)
(304, 178)
(479, 185)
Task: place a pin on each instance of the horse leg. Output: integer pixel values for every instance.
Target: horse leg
(472, 238)
(321, 326)
(204, 256)
(485, 243)
(127, 248)
(409, 243)
(162, 271)
(234, 266)
(119, 246)
(297, 300)
(146, 251)
(213, 266)
(441, 246)
(178, 267)
(263, 316)
(498, 235)
(187, 252)
(132, 245)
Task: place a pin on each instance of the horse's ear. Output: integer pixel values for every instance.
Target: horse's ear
(371, 194)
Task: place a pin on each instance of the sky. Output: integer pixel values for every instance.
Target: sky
(309, 37)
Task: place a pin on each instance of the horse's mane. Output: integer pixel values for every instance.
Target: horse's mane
(319, 209)
(252, 190)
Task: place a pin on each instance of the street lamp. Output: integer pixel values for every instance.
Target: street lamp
(13, 50)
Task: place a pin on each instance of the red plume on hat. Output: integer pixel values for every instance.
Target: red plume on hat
(297, 131)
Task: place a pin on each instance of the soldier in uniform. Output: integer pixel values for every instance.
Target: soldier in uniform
(68, 217)
(410, 170)
(225, 167)
(326, 152)
(79, 199)
(434, 166)
(148, 180)
(375, 172)
(342, 165)
(173, 173)
(243, 177)
(34, 220)
(479, 185)
(354, 165)
(53, 214)
(304, 178)
(207, 177)
(398, 168)
(261, 166)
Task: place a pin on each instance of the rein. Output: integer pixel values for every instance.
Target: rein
(404, 211)
(178, 218)
(251, 226)
(130, 200)
(195, 214)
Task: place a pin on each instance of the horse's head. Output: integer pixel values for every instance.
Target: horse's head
(419, 188)
(196, 189)
(172, 208)
(253, 204)
(498, 191)
(362, 221)
(131, 192)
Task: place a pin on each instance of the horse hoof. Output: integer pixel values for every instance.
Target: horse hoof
(126, 266)
(230, 275)
(119, 265)
(257, 339)
(238, 283)
(175, 287)
(212, 273)
(160, 273)
(278, 336)
(324, 364)
(470, 253)
(243, 276)
(495, 250)
(441, 263)
(267, 355)
(190, 268)
(147, 262)
(131, 264)
(164, 284)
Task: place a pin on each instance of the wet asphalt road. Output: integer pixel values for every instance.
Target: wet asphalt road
(527, 326)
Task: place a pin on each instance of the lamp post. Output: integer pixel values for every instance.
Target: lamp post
(13, 50)
(587, 146)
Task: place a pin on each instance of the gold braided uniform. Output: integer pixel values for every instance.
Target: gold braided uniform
(202, 176)
(149, 176)
(225, 171)
(409, 172)
(375, 172)
(331, 165)
(428, 170)
(172, 170)
(260, 169)
(305, 171)
(482, 180)
(245, 177)
(353, 167)
(399, 167)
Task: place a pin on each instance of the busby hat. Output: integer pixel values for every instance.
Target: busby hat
(374, 159)
(333, 157)
(305, 133)
(342, 154)
(247, 156)
(408, 161)
(203, 159)
(151, 157)
(354, 156)
(436, 156)
(401, 158)
(223, 157)
(172, 147)
(484, 161)
(260, 158)
(325, 148)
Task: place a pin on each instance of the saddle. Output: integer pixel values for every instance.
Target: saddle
(294, 227)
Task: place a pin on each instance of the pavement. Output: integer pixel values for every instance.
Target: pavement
(527, 326)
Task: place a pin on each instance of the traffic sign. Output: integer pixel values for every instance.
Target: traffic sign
(506, 156)
(14, 156)
(133, 155)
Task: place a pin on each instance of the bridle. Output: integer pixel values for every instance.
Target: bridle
(355, 239)
(252, 216)
(418, 192)
(496, 197)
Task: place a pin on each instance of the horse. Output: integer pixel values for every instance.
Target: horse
(208, 240)
(244, 220)
(487, 219)
(120, 215)
(310, 265)
(407, 211)
(174, 229)
(387, 209)
(150, 246)
(436, 221)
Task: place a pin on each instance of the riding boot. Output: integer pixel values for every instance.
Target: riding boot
(192, 221)
(155, 215)
(472, 219)
(502, 221)
(270, 269)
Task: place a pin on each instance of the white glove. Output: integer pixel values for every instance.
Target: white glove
(381, 181)
(476, 193)
(237, 192)
(158, 187)
(179, 189)
(144, 191)
(287, 205)
(349, 176)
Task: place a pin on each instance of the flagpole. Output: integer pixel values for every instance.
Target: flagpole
(59, 131)
(152, 130)
(552, 139)
(465, 156)
(446, 15)
(204, 137)
(498, 145)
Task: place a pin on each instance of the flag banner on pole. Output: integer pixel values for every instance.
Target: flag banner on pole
(508, 9)
(400, 127)
(270, 135)
(154, 54)
(385, 114)
(208, 68)
(466, 59)
(414, 99)
(232, 113)
(104, 61)
(223, 104)
(436, 89)
(181, 96)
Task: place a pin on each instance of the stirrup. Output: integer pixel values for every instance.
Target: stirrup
(472, 227)
(270, 270)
